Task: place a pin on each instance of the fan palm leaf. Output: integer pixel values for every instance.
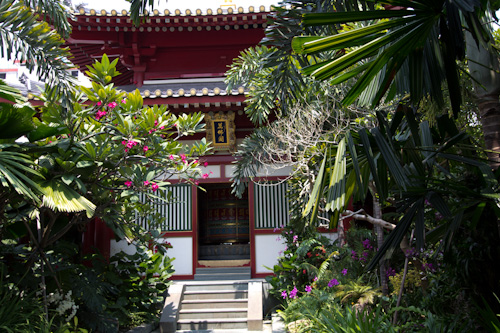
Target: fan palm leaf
(14, 168)
(60, 197)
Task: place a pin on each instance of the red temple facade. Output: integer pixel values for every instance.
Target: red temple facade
(179, 59)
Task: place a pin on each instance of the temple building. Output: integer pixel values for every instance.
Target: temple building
(179, 59)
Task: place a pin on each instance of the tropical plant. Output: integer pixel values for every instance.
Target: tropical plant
(293, 111)
(355, 292)
(126, 291)
(339, 318)
(106, 156)
(413, 48)
(32, 32)
(17, 309)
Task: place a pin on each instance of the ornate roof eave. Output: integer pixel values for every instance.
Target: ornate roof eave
(167, 21)
(202, 97)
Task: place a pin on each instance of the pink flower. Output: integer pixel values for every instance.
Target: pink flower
(205, 164)
(100, 114)
(308, 289)
(128, 183)
(131, 144)
(145, 148)
(154, 187)
(205, 176)
(99, 103)
(344, 271)
(171, 157)
(146, 183)
(295, 238)
(197, 182)
(315, 279)
(156, 122)
(293, 293)
(183, 157)
(124, 142)
(284, 294)
(112, 105)
(124, 100)
(162, 127)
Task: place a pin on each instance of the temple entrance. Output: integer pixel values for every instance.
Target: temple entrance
(223, 227)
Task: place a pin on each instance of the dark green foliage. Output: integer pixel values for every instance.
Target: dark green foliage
(17, 308)
(128, 290)
(409, 51)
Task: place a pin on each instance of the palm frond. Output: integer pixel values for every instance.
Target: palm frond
(56, 13)
(26, 38)
(14, 168)
(60, 197)
(415, 41)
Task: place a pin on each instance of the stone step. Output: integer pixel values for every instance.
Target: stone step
(213, 313)
(219, 277)
(222, 273)
(227, 330)
(203, 324)
(215, 294)
(207, 270)
(214, 303)
(216, 285)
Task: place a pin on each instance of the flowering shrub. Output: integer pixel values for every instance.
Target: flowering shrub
(297, 270)
(64, 304)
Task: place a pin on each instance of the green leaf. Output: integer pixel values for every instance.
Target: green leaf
(315, 194)
(84, 164)
(60, 197)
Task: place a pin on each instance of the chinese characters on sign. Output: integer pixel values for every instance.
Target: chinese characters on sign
(220, 132)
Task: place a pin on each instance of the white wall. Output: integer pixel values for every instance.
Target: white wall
(182, 251)
(267, 249)
(263, 172)
(121, 245)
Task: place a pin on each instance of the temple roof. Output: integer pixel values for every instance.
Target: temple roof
(196, 45)
(178, 12)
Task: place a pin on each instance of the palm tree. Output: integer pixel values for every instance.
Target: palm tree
(27, 37)
(411, 47)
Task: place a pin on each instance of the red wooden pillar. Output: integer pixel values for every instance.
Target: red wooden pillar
(97, 236)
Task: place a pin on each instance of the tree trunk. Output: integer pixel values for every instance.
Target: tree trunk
(484, 67)
(489, 110)
(379, 230)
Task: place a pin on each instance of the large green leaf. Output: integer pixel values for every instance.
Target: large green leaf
(60, 197)
(15, 120)
(337, 188)
(316, 191)
(14, 170)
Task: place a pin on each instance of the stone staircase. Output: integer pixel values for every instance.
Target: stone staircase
(216, 300)
(222, 273)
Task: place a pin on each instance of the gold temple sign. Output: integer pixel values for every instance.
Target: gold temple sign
(220, 131)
